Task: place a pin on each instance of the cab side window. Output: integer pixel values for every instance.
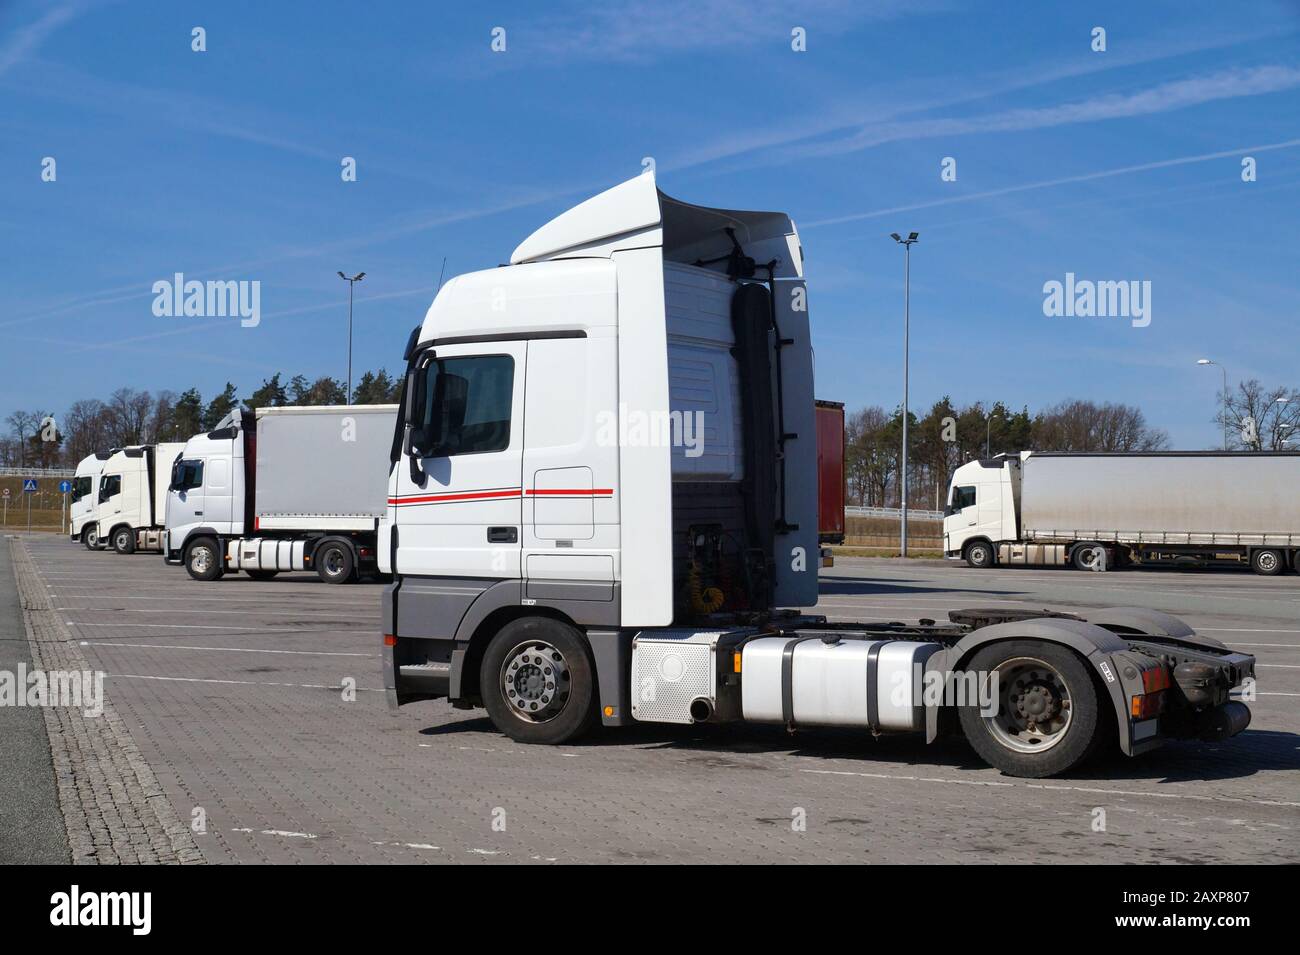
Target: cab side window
(466, 405)
(110, 485)
(963, 497)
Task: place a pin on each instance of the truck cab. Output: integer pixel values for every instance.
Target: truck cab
(131, 501)
(82, 524)
(981, 509)
(205, 494)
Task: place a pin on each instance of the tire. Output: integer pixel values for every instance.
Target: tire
(123, 540)
(1083, 556)
(90, 537)
(1270, 563)
(514, 681)
(261, 574)
(203, 559)
(334, 563)
(980, 555)
(1035, 676)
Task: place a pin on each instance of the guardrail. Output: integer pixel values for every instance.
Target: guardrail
(38, 472)
(892, 512)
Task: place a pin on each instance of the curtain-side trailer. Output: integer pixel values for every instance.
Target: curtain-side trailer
(282, 489)
(566, 553)
(1096, 511)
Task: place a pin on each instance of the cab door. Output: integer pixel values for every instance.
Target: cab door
(457, 499)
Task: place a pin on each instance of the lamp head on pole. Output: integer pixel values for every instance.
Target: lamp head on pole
(911, 237)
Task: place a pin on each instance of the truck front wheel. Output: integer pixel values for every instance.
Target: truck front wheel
(1038, 713)
(124, 540)
(1267, 562)
(90, 537)
(538, 681)
(979, 554)
(203, 559)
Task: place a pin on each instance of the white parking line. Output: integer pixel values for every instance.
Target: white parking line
(195, 679)
(1081, 789)
(199, 626)
(245, 613)
(161, 646)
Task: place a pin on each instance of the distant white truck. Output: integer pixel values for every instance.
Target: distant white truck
(282, 489)
(83, 525)
(1103, 511)
(132, 497)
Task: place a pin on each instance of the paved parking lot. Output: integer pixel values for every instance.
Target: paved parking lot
(234, 693)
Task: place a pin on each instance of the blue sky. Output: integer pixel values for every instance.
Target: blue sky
(1115, 165)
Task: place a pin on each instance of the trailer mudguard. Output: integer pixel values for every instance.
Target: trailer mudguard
(1095, 644)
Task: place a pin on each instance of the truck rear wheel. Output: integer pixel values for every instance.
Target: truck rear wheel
(538, 682)
(123, 540)
(1088, 556)
(203, 559)
(334, 563)
(1046, 718)
(1270, 563)
(979, 554)
(90, 537)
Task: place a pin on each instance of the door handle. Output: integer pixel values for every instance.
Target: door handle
(503, 535)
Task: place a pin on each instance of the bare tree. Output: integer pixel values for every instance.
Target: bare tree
(128, 416)
(1260, 419)
(1079, 425)
(23, 425)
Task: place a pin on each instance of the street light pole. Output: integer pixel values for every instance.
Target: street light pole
(907, 331)
(351, 282)
(1206, 361)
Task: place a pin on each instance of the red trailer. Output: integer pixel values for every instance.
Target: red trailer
(830, 471)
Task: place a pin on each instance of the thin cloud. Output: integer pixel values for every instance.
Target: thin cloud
(25, 41)
(1163, 98)
(1049, 183)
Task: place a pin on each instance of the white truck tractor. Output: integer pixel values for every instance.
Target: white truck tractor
(282, 489)
(602, 508)
(82, 525)
(132, 499)
(1096, 511)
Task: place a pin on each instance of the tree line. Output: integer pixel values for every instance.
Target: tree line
(131, 417)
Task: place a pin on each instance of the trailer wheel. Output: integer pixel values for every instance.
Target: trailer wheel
(261, 574)
(1270, 563)
(538, 681)
(1088, 556)
(124, 540)
(90, 537)
(1047, 716)
(203, 559)
(979, 554)
(334, 563)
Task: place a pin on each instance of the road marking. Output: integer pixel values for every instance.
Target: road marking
(246, 613)
(199, 626)
(407, 845)
(280, 832)
(162, 646)
(1280, 666)
(1082, 789)
(195, 679)
(1244, 630)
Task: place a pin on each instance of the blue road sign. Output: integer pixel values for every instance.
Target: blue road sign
(29, 485)
(65, 487)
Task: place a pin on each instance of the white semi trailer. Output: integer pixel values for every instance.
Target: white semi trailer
(82, 523)
(1102, 511)
(282, 489)
(565, 552)
(132, 500)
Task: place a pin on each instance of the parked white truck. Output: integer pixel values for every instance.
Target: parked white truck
(132, 499)
(565, 552)
(1102, 511)
(82, 500)
(282, 489)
